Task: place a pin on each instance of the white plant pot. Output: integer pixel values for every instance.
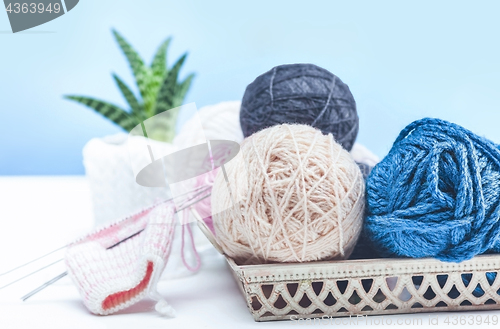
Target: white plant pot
(115, 193)
(110, 166)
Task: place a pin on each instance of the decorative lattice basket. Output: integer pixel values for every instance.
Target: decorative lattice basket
(366, 287)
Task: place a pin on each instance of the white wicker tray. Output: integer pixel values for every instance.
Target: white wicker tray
(365, 287)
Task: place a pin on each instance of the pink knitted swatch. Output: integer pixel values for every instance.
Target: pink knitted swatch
(116, 267)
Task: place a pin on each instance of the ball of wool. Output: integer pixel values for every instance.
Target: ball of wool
(436, 194)
(301, 198)
(362, 155)
(303, 94)
(219, 121)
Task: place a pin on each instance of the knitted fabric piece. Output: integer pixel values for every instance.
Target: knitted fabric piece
(110, 275)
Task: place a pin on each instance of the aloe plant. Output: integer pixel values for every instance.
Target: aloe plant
(159, 90)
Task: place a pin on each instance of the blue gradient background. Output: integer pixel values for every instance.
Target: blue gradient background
(402, 61)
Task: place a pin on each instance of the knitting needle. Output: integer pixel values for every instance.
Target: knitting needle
(119, 242)
(62, 275)
(194, 202)
(32, 261)
(204, 188)
(45, 285)
(24, 277)
(130, 237)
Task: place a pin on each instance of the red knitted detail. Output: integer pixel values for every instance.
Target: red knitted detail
(124, 296)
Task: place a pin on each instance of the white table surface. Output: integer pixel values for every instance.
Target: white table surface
(40, 214)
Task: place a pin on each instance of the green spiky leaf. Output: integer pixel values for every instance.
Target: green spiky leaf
(166, 95)
(182, 90)
(140, 71)
(159, 91)
(157, 74)
(129, 96)
(109, 111)
(159, 64)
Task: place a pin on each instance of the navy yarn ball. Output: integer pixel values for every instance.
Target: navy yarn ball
(303, 94)
(436, 194)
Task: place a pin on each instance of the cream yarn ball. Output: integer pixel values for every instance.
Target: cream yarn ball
(301, 198)
(220, 121)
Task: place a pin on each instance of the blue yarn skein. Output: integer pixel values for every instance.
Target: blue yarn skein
(436, 194)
